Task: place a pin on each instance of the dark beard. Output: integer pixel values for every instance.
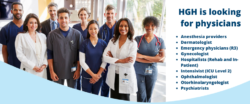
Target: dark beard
(16, 17)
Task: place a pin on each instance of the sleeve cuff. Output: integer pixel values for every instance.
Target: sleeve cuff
(49, 54)
(31, 66)
(103, 65)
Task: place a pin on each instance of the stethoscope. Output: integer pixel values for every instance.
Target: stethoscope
(105, 33)
(157, 50)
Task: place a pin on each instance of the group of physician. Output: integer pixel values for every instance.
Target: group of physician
(90, 58)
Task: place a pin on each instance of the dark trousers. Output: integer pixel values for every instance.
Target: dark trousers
(78, 82)
(91, 88)
(70, 82)
(104, 87)
(48, 74)
(115, 93)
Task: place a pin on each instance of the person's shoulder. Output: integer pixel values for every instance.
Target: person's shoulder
(138, 37)
(56, 31)
(41, 34)
(22, 34)
(133, 42)
(102, 42)
(77, 25)
(101, 28)
(75, 31)
(45, 22)
(85, 41)
(7, 26)
(160, 39)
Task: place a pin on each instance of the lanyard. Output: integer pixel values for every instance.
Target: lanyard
(155, 42)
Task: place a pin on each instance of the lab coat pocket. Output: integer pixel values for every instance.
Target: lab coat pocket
(125, 77)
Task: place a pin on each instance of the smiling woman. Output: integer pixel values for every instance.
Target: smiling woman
(147, 59)
(31, 47)
(91, 51)
(121, 54)
(31, 22)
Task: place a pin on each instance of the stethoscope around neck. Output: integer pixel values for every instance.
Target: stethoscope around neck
(105, 33)
(155, 42)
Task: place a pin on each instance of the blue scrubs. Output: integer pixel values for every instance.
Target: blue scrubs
(84, 35)
(93, 58)
(106, 34)
(7, 37)
(83, 32)
(146, 81)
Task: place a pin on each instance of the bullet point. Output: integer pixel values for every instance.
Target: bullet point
(176, 59)
(176, 76)
(176, 36)
(176, 88)
(176, 82)
(176, 70)
(176, 53)
(176, 47)
(176, 42)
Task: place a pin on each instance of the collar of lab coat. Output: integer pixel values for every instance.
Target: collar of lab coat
(31, 42)
(117, 45)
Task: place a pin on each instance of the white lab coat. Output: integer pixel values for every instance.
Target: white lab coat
(129, 49)
(26, 53)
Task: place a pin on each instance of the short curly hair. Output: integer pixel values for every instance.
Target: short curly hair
(150, 19)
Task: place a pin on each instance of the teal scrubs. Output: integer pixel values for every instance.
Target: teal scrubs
(146, 73)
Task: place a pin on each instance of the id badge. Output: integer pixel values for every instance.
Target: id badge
(73, 69)
(125, 81)
(148, 70)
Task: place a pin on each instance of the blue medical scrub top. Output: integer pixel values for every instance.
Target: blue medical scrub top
(83, 32)
(7, 37)
(93, 55)
(107, 33)
(149, 49)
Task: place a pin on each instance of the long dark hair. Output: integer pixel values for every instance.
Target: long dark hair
(130, 30)
(31, 15)
(93, 22)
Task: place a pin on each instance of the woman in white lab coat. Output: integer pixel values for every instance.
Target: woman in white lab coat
(31, 47)
(121, 54)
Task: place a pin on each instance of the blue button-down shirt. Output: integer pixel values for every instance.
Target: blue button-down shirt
(51, 23)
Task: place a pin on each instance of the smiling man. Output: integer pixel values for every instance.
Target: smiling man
(49, 25)
(8, 35)
(63, 51)
(107, 31)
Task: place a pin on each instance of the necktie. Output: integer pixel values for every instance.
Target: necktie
(53, 25)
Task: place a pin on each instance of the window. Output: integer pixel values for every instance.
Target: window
(137, 10)
(83, 3)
